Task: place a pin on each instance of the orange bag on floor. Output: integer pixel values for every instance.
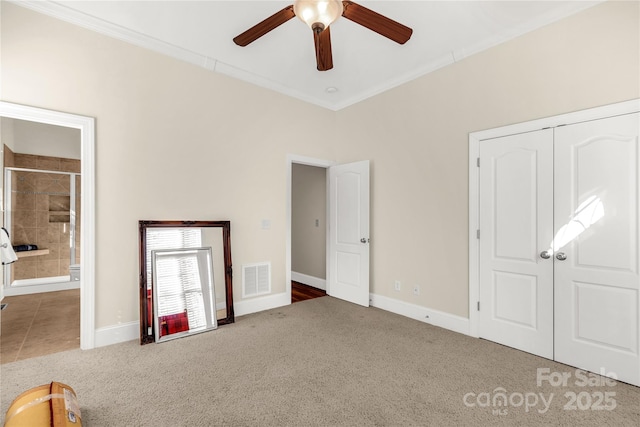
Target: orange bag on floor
(49, 405)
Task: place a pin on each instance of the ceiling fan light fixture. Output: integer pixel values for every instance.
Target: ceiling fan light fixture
(315, 12)
(319, 15)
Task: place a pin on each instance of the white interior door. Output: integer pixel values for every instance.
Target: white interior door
(597, 295)
(516, 225)
(348, 267)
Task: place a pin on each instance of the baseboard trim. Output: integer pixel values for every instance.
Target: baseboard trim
(305, 279)
(11, 291)
(131, 331)
(423, 314)
(117, 333)
(255, 305)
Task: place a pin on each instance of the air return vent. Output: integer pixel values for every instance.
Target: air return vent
(256, 279)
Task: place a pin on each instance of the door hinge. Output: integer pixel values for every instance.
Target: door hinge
(477, 234)
(478, 305)
(478, 161)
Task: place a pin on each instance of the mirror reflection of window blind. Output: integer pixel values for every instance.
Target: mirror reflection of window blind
(171, 238)
(179, 288)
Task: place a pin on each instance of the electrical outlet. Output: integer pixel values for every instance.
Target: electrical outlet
(416, 290)
(396, 285)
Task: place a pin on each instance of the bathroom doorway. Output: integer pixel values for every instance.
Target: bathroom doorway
(12, 116)
(42, 214)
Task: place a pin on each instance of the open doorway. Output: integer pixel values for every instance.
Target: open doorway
(347, 239)
(42, 198)
(308, 231)
(86, 125)
(307, 243)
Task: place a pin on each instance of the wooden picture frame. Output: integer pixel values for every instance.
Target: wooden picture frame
(147, 327)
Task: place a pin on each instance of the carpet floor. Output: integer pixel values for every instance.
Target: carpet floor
(325, 362)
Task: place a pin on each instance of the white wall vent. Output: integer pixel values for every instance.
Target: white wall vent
(256, 279)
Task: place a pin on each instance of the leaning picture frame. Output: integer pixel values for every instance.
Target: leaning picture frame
(183, 292)
(216, 234)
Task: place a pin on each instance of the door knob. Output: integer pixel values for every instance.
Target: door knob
(560, 256)
(363, 240)
(545, 255)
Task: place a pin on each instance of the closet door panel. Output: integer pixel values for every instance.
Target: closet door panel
(596, 220)
(516, 214)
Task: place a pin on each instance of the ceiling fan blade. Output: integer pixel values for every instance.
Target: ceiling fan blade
(322, 41)
(375, 22)
(262, 28)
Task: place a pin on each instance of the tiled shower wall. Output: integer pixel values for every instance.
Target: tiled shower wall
(42, 219)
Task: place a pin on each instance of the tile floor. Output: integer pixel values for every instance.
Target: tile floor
(38, 324)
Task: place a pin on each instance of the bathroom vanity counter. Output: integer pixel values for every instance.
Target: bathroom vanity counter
(24, 254)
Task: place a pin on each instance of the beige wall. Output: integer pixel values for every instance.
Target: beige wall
(6, 129)
(43, 139)
(308, 204)
(175, 141)
(417, 138)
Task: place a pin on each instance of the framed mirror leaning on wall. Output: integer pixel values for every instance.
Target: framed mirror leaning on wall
(189, 241)
(183, 292)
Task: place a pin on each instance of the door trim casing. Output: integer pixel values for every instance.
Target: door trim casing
(475, 138)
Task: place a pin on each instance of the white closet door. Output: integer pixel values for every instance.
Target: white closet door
(516, 226)
(596, 201)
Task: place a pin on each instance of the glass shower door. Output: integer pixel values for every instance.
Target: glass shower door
(41, 218)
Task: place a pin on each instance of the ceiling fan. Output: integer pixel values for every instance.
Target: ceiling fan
(319, 15)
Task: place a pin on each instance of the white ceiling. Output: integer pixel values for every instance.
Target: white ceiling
(365, 63)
